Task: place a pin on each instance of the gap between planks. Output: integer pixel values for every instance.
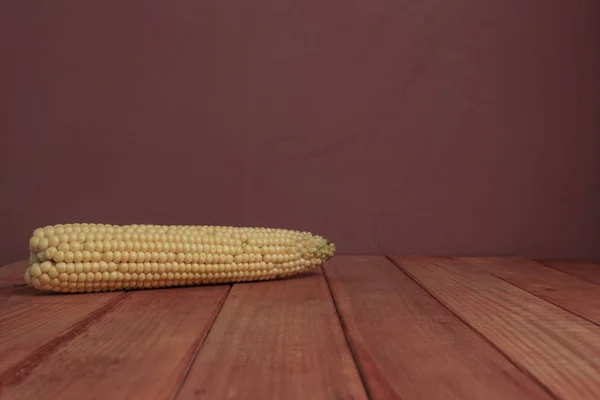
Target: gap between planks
(404, 339)
(559, 348)
(161, 331)
(278, 339)
(566, 291)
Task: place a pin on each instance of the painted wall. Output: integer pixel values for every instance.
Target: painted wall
(404, 127)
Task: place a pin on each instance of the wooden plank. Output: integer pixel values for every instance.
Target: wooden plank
(32, 319)
(405, 340)
(573, 294)
(276, 340)
(560, 349)
(586, 270)
(141, 348)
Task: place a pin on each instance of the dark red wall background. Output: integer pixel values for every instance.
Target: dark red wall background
(430, 126)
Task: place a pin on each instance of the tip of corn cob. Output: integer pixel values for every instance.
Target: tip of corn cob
(86, 257)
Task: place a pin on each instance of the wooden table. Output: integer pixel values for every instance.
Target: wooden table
(361, 327)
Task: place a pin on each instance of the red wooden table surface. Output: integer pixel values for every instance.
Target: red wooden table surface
(358, 328)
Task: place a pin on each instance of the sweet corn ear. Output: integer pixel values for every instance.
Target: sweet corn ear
(85, 257)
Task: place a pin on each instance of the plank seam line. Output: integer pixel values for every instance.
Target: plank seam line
(535, 295)
(582, 278)
(200, 344)
(348, 341)
(24, 368)
(478, 333)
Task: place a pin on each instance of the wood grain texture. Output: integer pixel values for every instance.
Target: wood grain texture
(141, 348)
(276, 340)
(573, 294)
(409, 346)
(587, 270)
(31, 320)
(561, 350)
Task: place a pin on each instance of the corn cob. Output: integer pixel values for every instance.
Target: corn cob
(85, 257)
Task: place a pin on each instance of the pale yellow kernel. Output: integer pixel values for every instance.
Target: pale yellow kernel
(113, 276)
(59, 256)
(53, 241)
(45, 267)
(124, 256)
(180, 257)
(126, 276)
(171, 257)
(39, 233)
(116, 256)
(77, 256)
(85, 267)
(134, 276)
(33, 243)
(53, 273)
(44, 279)
(102, 266)
(105, 275)
(42, 244)
(140, 257)
(132, 256)
(96, 256)
(98, 276)
(64, 247)
(106, 245)
(50, 253)
(131, 267)
(123, 267)
(87, 256)
(90, 276)
(81, 277)
(162, 257)
(147, 267)
(112, 266)
(108, 256)
(35, 271)
(69, 256)
(78, 268)
(73, 278)
(122, 246)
